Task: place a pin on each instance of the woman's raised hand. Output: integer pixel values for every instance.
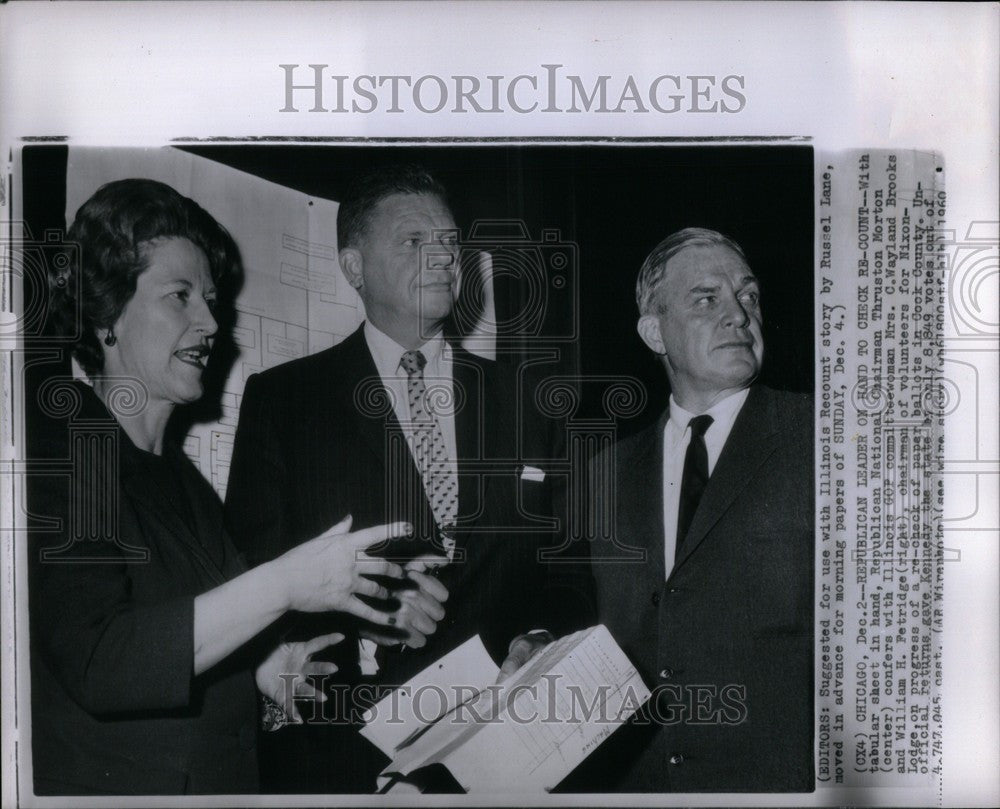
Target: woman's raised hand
(332, 570)
(283, 675)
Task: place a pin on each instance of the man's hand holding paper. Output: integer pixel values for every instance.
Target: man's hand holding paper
(522, 649)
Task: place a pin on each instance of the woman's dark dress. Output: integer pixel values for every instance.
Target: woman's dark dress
(116, 708)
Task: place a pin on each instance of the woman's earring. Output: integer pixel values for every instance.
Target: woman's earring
(110, 340)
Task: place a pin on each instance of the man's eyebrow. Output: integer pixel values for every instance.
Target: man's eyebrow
(747, 280)
(703, 288)
(410, 229)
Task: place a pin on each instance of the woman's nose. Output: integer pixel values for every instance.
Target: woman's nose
(205, 321)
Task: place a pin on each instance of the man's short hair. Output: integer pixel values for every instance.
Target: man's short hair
(651, 274)
(369, 189)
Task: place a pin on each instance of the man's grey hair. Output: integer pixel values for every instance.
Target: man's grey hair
(651, 274)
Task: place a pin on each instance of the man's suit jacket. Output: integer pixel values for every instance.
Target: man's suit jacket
(116, 707)
(318, 440)
(726, 640)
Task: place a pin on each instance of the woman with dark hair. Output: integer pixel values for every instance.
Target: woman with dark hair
(146, 627)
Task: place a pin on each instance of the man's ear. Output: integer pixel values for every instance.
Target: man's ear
(351, 263)
(649, 330)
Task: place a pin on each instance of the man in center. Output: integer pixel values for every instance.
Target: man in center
(395, 420)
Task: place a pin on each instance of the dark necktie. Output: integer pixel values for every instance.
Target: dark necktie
(439, 478)
(694, 478)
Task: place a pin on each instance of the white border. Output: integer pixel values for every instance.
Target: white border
(879, 75)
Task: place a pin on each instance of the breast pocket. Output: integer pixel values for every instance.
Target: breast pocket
(535, 507)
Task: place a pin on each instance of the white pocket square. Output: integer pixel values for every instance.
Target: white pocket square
(532, 473)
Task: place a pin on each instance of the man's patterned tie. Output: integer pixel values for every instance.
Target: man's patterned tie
(439, 477)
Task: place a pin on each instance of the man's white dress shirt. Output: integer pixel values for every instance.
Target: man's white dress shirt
(437, 374)
(676, 437)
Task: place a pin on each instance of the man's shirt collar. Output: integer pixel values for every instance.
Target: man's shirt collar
(387, 353)
(723, 413)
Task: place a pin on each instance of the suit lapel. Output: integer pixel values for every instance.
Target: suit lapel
(358, 390)
(475, 442)
(364, 403)
(753, 439)
(638, 508)
(356, 385)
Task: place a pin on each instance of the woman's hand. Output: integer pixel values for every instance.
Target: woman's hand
(326, 573)
(282, 676)
(329, 572)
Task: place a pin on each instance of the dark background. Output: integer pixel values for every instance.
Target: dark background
(614, 202)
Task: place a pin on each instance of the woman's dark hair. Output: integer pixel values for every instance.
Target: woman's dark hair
(106, 257)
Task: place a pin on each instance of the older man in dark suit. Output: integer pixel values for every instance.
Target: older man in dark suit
(396, 420)
(707, 580)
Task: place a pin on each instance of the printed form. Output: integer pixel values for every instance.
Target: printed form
(525, 733)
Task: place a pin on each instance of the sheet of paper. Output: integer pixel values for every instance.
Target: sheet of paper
(432, 743)
(433, 692)
(528, 732)
(579, 701)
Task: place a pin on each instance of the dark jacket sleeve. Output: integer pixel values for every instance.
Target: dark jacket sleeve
(257, 479)
(110, 652)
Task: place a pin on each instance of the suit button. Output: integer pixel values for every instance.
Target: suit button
(674, 590)
(667, 673)
(656, 598)
(677, 759)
